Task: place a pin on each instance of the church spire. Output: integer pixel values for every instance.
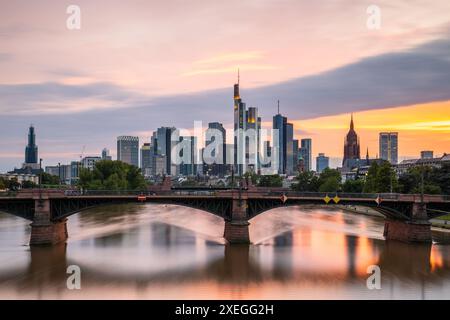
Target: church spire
(352, 127)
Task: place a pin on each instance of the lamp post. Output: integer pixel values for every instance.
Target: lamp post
(59, 174)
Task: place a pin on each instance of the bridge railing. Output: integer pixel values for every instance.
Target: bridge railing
(6, 194)
(387, 196)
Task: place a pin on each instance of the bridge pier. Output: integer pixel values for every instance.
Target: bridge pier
(236, 229)
(44, 231)
(418, 229)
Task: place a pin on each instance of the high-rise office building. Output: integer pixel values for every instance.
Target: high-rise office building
(279, 123)
(189, 168)
(217, 168)
(146, 159)
(306, 154)
(296, 151)
(290, 149)
(165, 139)
(240, 125)
(31, 150)
(322, 162)
(252, 139)
(388, 144)
(128, 150)
(105, 154)
(351, 148)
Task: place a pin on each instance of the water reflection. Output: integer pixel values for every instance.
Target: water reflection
(145, 252)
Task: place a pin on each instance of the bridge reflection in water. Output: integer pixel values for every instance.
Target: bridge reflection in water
(326, 257)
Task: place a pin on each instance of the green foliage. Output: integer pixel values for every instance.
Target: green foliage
(329, 180)
(3, 183)
(28, 185)
(306, 181)
(11, 184)
(381, 178)
(112, 175)
(49, 179)
(441, 177)
(353, 186)
(251, 176)
(273, 181)
(434, 180)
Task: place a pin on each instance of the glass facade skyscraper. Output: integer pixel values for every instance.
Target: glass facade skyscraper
(128, 150)
(306, 154)
(388, 143)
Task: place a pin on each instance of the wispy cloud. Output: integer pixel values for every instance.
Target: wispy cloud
(231, 57)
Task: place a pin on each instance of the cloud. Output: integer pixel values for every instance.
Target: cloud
(96, 113)
(5, 57)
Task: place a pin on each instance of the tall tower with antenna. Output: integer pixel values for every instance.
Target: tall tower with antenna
(240, 121)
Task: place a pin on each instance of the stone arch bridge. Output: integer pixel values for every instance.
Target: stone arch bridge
(406, 216)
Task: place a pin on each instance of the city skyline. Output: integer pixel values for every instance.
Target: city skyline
(64, 92)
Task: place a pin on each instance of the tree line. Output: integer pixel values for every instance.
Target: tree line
(380, 178)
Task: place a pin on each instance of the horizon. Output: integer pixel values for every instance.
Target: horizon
(86, 87)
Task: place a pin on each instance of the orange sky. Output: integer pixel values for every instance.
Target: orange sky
(420, 127)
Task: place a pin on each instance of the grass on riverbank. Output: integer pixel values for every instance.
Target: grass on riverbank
(447, 217)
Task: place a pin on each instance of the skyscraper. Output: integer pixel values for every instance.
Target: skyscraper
(240, 124)
(128, 150)
(289, 149)
(322, 162)
(146, 158)
(189, 168)
(164, 145)
(351, 148)
(218, 168)
(306, 154)
(388, 144)
(295, 155)
(279, 123)
(31, 150)
(252, 139)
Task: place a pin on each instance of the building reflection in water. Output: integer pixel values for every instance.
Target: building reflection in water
(154, 254)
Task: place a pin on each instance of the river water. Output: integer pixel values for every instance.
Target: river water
(145, 251)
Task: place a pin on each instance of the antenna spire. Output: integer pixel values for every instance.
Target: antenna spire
(238, 76)
(278, 106)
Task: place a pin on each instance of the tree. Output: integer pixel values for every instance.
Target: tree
(370, 185)
(411, 181)
(386, 180)
(49, 179)
(306, 181)
(330, 180)
(381, 178)
(28, 185)
(3, 183)
(112, 175)
(441, 177)
(353, 186)
(251, 176)
(273, 181)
